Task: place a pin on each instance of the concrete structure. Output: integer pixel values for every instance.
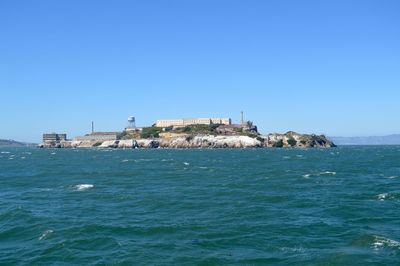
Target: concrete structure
(133, 129)
(99, 136)
(193, 121)
(229, 129)
(106, 133)
(54, 137)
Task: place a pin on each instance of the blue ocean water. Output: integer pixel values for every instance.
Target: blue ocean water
(337, 206)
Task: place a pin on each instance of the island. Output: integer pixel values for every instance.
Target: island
(189, 133)
(13, 143)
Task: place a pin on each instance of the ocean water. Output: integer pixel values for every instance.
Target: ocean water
(337, 206)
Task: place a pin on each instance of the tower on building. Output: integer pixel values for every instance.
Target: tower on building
(131, 122)
(241, 118)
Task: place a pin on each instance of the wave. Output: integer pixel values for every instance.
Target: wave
(319, 174)
(382, 242)
(45, 234)
(384, 196)
(81, 187)
(376, 242)
(328, 173)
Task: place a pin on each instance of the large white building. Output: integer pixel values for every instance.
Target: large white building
(193, 121)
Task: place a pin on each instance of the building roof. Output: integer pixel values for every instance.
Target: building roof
(232, 126)
(104, 133)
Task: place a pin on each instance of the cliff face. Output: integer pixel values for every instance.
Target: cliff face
(290, 139)
(198, 141)
(210, 141)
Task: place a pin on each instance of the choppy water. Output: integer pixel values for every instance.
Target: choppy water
(336, 206)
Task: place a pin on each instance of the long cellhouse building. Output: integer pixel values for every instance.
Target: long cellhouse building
(193, 121)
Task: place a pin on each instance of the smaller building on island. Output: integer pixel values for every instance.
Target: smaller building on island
(53, 140)
(99, 136)
(54, 137)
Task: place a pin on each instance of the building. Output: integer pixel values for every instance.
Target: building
(193, 121)
(99, 136)
(54, 137)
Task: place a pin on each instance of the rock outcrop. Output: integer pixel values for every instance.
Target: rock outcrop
(147, 143)
(127, 144)
(293, 139)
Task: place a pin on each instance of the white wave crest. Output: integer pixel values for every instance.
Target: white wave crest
(45, 234)
(381, 242)
(382, 196)
(81, 187)
(319, 174)
(328, 173)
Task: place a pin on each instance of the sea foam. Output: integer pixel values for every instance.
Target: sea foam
(380, 242)
(45, 234)
(81, 187)
(382, 196)
(328, 173)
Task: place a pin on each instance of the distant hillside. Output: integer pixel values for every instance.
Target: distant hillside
(373, 140)
(13, 143)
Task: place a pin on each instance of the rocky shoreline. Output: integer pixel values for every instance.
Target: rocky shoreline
(289, 139)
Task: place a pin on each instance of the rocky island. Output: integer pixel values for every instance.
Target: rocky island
(193, 136)
(188, 133)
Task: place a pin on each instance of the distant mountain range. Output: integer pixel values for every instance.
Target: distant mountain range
(373, 140)
(13, 143)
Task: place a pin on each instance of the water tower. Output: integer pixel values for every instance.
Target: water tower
(131, 122)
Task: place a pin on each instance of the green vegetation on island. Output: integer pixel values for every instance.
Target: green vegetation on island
(151, 132)
(198, 129)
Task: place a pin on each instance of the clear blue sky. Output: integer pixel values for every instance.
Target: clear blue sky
(328, 67)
